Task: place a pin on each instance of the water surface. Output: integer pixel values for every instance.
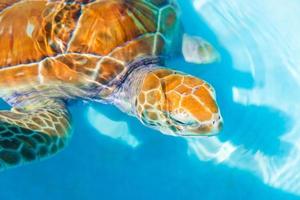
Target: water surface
(256, 156)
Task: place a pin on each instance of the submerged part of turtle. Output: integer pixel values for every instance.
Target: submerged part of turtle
(109, 51)
(197, 50)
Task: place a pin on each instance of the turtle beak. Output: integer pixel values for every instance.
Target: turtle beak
(211, 130)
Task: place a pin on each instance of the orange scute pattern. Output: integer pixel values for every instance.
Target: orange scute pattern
(204, 95)
(151, 96)
(102, 28)
(6, 3)
(80, 63)
(16, 76)
(194, 107)
(188, 99)
(139, 48)
(33, 30)
(172, 81)
(82, 38)
(109, 70)
(151, 82)
(23, 40)
(53, 70)
(194, 98)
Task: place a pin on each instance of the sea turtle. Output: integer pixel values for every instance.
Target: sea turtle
(109, 51)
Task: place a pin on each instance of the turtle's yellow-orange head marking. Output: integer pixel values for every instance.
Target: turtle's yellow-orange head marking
(178, 104)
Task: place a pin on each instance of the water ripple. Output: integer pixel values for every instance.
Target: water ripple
(262, 41)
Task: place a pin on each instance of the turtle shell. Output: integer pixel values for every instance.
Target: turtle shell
(78, 41)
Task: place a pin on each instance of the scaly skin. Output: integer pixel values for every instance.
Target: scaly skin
(178, 104)
(51, 51)
(33, 132)
(54, 42)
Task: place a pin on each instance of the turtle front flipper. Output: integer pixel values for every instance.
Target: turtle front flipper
(33, 132)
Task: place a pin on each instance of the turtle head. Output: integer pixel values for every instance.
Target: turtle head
(178, 104)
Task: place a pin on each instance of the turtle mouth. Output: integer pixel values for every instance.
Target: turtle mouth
(196, 129)
(209, 129)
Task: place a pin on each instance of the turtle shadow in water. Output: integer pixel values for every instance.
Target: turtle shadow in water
(257, 128)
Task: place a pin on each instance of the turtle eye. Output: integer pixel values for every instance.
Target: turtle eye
(182, 117)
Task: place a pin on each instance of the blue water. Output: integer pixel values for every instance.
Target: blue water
(257, 154)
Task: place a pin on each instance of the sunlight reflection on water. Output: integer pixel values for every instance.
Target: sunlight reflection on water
(262, 43)
(111, 128)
